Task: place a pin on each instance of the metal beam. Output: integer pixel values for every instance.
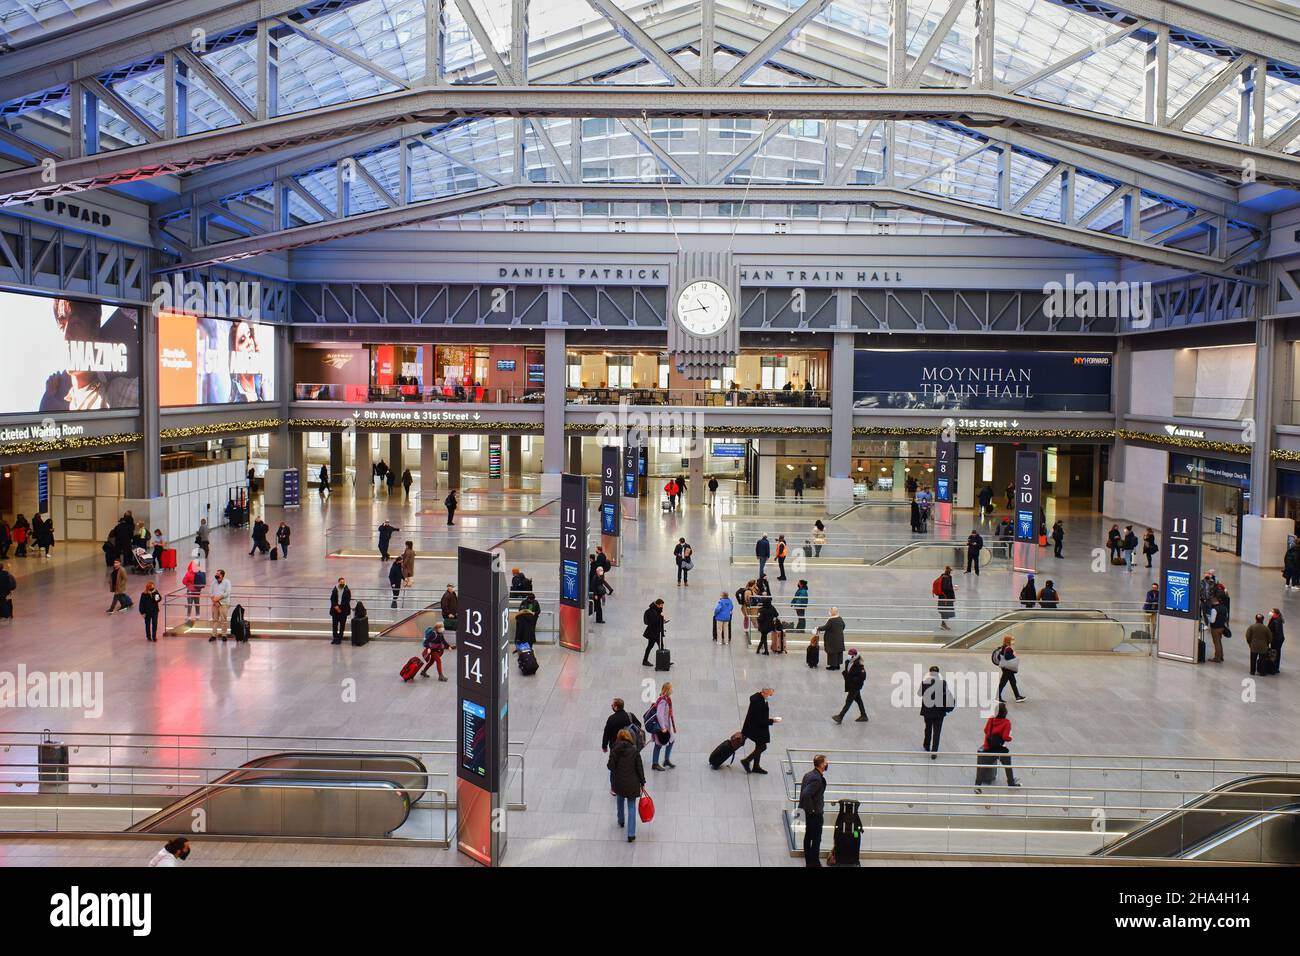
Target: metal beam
(630, 31)
(972, 107)
(646, 139)
(356, 59)
(522, 194)
(759, 55)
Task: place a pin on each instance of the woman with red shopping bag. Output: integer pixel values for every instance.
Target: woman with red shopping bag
(627, 780)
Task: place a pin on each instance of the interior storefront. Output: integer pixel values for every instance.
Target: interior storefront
(1225, 487)
(644, 376)
(418, 373)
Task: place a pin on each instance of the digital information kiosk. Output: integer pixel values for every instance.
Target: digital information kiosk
(945, 482)
(1028, 495)
(631, 481)
(573, 562)
(611, 477)
(1180, 575)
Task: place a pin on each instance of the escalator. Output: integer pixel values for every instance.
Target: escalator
(368, 796)
(947, 553)
(1242, 821)
(993, 629)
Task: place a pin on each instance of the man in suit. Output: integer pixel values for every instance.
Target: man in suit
(340, 609)
(812, 801)
(937, 703)
(757, 729)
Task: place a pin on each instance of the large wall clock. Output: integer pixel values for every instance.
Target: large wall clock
(704, 307)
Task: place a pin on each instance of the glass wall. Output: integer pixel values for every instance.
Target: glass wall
(419, 373)
(758, 377)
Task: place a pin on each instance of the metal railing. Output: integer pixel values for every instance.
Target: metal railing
(846, 548)
(440, 542)
(1214, 407)
(418, 394)
(1066, 804)
(289, 611)
(701, 397)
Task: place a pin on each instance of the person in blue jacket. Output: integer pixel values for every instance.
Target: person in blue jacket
(800, 604)
(722, 612)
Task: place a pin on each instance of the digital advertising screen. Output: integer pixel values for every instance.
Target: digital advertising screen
(204, 361)
(67, 355)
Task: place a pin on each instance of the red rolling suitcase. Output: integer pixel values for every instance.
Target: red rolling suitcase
(411, 668)
(168, 560)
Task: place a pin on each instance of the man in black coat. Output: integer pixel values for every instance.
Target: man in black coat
(756, 729)
(937, 703)
(385, 538)
(654, 629)
(812, 801)
(974, 545)
(340, 609)
(855, 678)
(617, 720)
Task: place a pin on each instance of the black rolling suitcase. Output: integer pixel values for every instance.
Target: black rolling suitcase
(51, 759)
(360, 631)
(663, 659)
(848, 834)
(726, 750)
(527, 660)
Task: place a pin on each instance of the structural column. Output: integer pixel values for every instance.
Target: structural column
(453, 462)
(695, 474)
(515, 461)
(365, 479)
(428, 469)
(143, 465)
(396, 455)
(337, 473)
(839, 483)
(575, 455)
(1263, 538)
(553, 409)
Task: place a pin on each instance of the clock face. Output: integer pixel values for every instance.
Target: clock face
(704, 308)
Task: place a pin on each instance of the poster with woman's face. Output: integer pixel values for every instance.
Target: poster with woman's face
(205, 361)
(69, 355)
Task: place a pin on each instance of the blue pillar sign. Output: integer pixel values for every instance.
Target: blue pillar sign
(631, 480)
(1180, 573)
(1028, 496)
(611, 473)
(573, 561)
(482, 672)
(945, 480)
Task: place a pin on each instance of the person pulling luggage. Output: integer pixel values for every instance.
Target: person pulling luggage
(435, 645)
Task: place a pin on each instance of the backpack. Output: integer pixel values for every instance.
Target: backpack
(937, 587)
(650, 722)
(637, 732)
(200, 579)
(449, 501)
(740, 597)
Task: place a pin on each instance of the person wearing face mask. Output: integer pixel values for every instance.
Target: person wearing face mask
(812, 801)
(174, 853)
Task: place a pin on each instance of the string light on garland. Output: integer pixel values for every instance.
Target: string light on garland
(219, 428)
(70, 444)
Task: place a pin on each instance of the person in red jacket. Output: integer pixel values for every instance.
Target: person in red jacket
(671, 490)
(997, 734)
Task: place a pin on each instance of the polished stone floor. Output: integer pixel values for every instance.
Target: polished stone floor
(1094, 704)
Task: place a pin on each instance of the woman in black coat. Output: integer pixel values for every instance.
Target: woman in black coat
(1275, 627)
(767, 622)
(525, 626)
(947, 598)
(626, 779)
(150, 599)
(757, 729)
(654, 629)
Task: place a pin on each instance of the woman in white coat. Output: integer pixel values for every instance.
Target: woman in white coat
(666, 734)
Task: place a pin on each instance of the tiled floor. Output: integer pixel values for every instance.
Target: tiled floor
(1078, 703)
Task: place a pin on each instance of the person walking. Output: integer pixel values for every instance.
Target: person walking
(449, 605)
(407, 481)
(1291, 565)
(1276, 628)
(8, 584)
(22, 530)
(768, 621)
(832, 636)
(117, 585)
(1010, 493)
(1149, 546)
(713, 491)
(997, 734)
(782, 551)
(435, 645)
(324, 478)
(818, 538)
(526, 621)
(915, 517)
(1114, 542)
(202, 537)
(722, 612)
(340, 610)
(1029, 593)
(195, 580)
(747, 598)
(626, 779)
(757, 729)
(1058, 539)
(800, 604)
(855, 678)
(797, 485)
(385, 538)
(681, 490)
(986, 501)
(1259, 639)
(665, 728)
(945, 593)
(762, 551)
(812, 801)
(654, 621)
(598, 589)
(1005, 659)
(452, 503)
(1151, 606)
(150, 599)
(670, 492)
(282, 535)
(395, 580)
(974, 544)
(408, 564)
(220, 597)
(43, 528)
(1129, 545)
(937, 702)
(6, 538)
(259, 535)
(1218, 624)
(619, 718)
(1049, 598)
(173, 853)
(159, 546)
(682, 555)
